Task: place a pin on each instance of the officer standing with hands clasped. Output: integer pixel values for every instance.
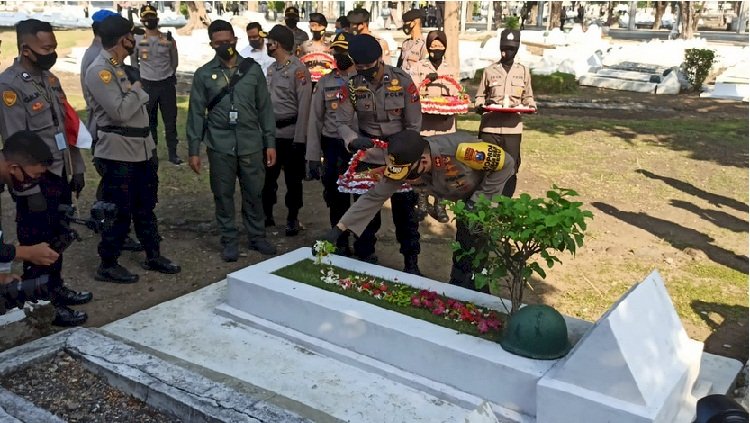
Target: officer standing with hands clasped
(230, 111)
(124, 152)
(453, 166)
(413, 49)
(322, 133)
(291, 89)
(508, 84)
(33, 99)
(384, 101)
(155, 56)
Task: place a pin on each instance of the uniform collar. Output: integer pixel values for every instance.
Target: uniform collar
(23, 73)
(109, 58)
(216, 62)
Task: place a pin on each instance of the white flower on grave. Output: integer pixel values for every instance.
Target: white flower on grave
(485, 271)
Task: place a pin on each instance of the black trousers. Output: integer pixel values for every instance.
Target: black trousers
(511, 143)
(336, 160)
(38, 220)
(163, 95)
(132, 187)
(290, 157)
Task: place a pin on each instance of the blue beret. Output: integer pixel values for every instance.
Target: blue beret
(364, 48)
(102, 14)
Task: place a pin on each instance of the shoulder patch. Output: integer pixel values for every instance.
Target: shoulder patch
(105, 76)
(300, 74)
(9, 98)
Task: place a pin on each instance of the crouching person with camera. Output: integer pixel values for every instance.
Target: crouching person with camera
(124, 153)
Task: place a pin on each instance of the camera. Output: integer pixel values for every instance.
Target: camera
(102, 218)
(14, 294)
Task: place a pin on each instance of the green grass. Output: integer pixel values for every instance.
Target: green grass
(306, 271)
(66, 40)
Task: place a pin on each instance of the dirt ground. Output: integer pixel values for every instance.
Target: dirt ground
(191, 239)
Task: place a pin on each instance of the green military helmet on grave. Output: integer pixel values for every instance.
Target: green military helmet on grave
(536, 331)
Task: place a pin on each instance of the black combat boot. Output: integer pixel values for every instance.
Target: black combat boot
(410, 265)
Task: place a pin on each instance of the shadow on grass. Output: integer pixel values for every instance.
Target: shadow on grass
(715, 199)
(717, 217)
(678, 236)
(728, 325)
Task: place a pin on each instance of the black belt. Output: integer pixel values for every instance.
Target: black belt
(168, 80)
(377, 137)
(283, 123)
(126, 131)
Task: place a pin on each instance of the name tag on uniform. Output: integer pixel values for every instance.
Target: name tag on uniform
(233, 115)
(60, 141)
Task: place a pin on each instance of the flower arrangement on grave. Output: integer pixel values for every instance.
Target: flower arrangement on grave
(358, 181)
(511, 232)
(446, 104)
(319, 64)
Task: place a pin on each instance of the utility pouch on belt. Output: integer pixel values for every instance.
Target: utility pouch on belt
(481, 155)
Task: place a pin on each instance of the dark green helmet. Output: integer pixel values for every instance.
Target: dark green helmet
(536, 331)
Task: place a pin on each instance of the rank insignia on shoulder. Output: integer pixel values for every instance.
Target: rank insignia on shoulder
(9, 98)
(105, 76)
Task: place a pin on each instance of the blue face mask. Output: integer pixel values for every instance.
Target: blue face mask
(339, 31)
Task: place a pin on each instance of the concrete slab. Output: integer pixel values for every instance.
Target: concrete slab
(594, 80)
(15, 409)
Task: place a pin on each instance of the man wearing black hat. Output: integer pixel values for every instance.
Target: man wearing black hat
(124, 152)
(291, 19)
(453, 166)
(383, 100)
(291, 89)
(413, 49)
(508, 84)
(359, 21)
(33, 99)
(322, 133)
(156, 57)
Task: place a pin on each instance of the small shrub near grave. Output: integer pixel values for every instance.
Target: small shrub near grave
(556, 83)
(512, 22)
(697, 65)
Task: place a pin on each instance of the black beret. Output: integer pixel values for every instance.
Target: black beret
(319, 18)
(358, 16)
(364, 48)
(510, 38)
(116, 26)
(405, 148)
(413, 15)
(291, 11)
(283, 36)
(341, 40)
(148, 10)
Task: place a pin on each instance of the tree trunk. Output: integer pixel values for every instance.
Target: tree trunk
(451, 32)
(556, 9)
(464, 6)
(197, 19)
(517, 285)
(690, 16)
(533, 10)
(632, 14)
(659, 8)
(610, 13)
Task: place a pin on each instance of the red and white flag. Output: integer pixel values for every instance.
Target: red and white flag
(75, 130)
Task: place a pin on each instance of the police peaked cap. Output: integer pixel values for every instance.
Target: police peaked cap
(358, 16)
(510, 38)
(364, 48)
(319, 18)
(148, 10)
(341, 40)
(283, 36)
(406, 147)
(413, 15)
(116, 26)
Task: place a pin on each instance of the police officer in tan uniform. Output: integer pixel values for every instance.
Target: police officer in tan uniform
(453, 166)
(124, 153)
(414, 48)
(509, 84)
(318, 44)
(385, 101)
(34, 100)
(291, 89)
(323, 134)
(359, 21)
(291, 19)
(156, 57)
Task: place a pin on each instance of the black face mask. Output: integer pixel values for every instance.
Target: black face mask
(26, 183)
(226, 51)
(44, 61)
(151, 23)
(508, 55)
(343, 61)
(130, 49)
(257, 44)
(369, 73)
(436, 55)
(291, 22)
(407, 29)
(270, 51)
(318, 35)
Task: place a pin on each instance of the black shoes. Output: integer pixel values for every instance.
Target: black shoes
(410, 265)
(116, 274)
(293, 228)
(68, 317)
(176, 161)
(131, 245)
(65, 296)
(423, 207)
(161, 264)
(439, 213)
(230, 253)
(262, 246)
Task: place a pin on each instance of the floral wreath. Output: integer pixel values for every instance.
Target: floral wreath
(359, 182)
(320, 64)
(445, 105)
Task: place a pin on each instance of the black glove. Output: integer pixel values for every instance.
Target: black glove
(432, 76)
(133, 74)
(313, 170)
(361, 143)
(77, 182)
(479, 109)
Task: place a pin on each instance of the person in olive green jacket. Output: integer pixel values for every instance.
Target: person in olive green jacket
(239, 130)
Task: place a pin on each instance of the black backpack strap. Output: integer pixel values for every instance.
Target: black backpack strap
(241, 72)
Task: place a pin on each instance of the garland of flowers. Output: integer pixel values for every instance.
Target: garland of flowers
(354, 182)
(320, 64)
(445, 105)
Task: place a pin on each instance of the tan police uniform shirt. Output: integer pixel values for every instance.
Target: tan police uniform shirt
(116, 102)
(412, 51)
(35, 102)
(435, 124)
(381, 109)
(326, 100)
(497, 84)
(155, 57)
(291, 90)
